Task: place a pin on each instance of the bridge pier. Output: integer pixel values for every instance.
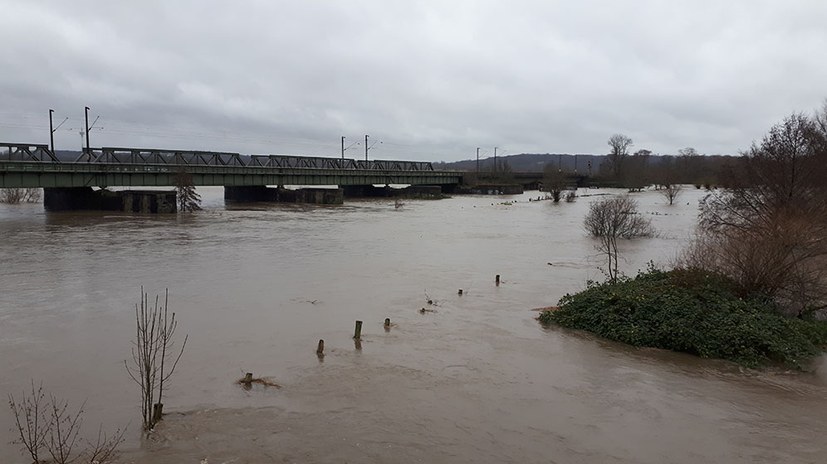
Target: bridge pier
(366, 191)
(412, 191)
(79, 198)
(249, 194)
(130, 201)
(261, 193)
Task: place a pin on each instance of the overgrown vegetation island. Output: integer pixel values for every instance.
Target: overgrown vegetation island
(752, 286)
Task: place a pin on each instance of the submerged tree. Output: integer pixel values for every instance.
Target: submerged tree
(612, 219)
(154, 357)
(14, 196)
(188, 199)
(670, 191)
(554, 181)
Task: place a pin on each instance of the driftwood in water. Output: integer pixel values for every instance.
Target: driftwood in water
(248, 381)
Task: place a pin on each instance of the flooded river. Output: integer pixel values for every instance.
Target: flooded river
(476, 380)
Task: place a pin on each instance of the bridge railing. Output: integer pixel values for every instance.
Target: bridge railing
(27, 152)
(141, 156)
(112, 155)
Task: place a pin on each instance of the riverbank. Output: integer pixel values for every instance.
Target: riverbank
(692, 312)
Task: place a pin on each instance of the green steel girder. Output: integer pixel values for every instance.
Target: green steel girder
(17, 174)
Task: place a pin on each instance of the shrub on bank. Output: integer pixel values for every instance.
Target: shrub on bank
(692, 312)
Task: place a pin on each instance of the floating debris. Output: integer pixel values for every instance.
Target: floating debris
(248, 381)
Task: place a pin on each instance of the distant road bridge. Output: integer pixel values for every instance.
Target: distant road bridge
(33, 165)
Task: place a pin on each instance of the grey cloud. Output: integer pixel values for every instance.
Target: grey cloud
(432, 80)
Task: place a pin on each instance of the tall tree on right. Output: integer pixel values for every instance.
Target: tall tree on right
(619, 146)
(768, 229)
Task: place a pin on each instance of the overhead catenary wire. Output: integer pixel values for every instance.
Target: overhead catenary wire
(247, 140)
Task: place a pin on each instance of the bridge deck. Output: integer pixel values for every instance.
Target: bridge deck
(31, 165)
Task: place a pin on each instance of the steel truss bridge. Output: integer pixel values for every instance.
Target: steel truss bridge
(33, 165)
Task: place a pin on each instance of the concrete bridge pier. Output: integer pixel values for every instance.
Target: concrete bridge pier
(79, 198)
(411, 191)
(261, 193)
(366, 191)
(129, 201)
(249, 194)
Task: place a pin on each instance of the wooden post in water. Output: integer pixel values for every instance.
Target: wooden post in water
(357, 334)
(157, 412)
(387, 323)
(248, 378)
(497, 279)
(320, 349)
(459, 292)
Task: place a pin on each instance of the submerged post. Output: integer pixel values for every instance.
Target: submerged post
(497, 279)
(357, 334)
(459, 292)
(387, 323)
(248, 378)
(157, 412)
(320, 349)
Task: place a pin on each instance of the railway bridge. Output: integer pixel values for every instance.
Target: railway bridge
(244, 177)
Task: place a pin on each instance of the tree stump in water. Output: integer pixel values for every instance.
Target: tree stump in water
(157, 412)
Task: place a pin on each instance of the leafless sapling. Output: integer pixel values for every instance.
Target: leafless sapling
(32, 426)
(154, 356)
(48, 425)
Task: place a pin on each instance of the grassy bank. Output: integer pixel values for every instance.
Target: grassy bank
(691, 312)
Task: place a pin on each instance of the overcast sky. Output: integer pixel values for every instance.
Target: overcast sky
(430, 79)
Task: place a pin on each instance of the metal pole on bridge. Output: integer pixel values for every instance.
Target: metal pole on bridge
(343, 147)
(51, 132)
(86, 115)
(366, 147)
(478, 160)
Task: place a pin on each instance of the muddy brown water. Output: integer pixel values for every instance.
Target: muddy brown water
(476, 380)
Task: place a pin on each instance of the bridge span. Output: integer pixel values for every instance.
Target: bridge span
(33, 165)
(68, 184)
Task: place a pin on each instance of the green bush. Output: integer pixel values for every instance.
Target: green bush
(693, 312)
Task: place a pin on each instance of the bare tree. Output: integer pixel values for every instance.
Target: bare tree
(28, 416)
(768, 230)
(51, 425)
(63, 432)
(554, 181)
(152, 348)
(671, 191)
(188, 199)
(611, 219)
(105, 447)
(619, 149)
(14, 196)
(635, 170)
(502, 172)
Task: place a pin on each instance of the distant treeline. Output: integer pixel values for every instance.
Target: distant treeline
(634, 171)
